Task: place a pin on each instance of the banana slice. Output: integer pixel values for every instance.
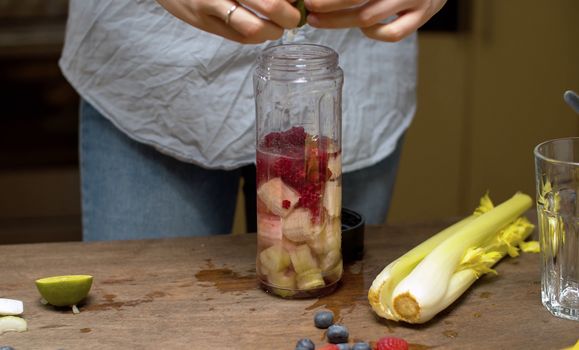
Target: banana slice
(269, 230)
(298, 226)
(302, 259)
(330, 259)
(335, 166)
(330, 239)
(333, 198)
(335, 273)
(282, 279)
(278, 197)
(12, 324)
(274, 259)
(11, 307)
(310, 279)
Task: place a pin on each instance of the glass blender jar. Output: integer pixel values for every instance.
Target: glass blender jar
(298, 91)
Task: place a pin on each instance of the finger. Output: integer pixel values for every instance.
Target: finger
(218, 27)
(323, 6)
(398, 29)
(364, 16)
(252, 28)
(281, 12)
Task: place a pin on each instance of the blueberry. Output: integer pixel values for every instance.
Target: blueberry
(361, 346)
(323, 319)
(305, 344)
(337, 334)
(343, 346)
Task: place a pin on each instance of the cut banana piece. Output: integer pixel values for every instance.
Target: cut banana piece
(269, 230)
(335, 273)
(335, 166)
(11, 307)
(330, 259)
(12, 324)
(333, 198)
(274, 259)
(278, 197)
(286, 280)
(302, 259)
(310, 279)
(298, 227)
(330, 239)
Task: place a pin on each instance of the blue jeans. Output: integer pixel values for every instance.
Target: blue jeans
(131, 191)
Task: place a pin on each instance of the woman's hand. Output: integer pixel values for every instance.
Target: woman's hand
(237, 20)
(368, 14)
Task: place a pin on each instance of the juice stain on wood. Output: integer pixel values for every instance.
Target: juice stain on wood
(226, 280)
(110, 303)
(345, 299)
(485, 295)
(450, 334)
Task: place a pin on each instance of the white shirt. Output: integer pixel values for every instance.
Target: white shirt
(189, 93)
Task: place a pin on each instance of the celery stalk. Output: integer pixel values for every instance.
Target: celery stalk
(421, 283)
(381, 289)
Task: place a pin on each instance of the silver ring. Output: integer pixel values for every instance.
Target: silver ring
(229, 12)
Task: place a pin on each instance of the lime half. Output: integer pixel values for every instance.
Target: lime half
(64, 290)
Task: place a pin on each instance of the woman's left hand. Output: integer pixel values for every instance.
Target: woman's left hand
(369, 14)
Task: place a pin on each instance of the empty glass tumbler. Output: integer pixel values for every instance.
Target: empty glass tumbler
(557, 177)
(298, 105)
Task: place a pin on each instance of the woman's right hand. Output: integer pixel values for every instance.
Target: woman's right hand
(244, 25)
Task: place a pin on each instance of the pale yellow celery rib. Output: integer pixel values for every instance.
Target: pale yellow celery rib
(427, 284)
(477, 264)
(380, 293)
(530, 247)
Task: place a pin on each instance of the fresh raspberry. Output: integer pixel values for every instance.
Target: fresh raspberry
(282, 167)
(329, 347)
(391, 343)
(272, 140)
(295, 136)
(286, 204)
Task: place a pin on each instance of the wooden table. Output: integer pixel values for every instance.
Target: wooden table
(200, 293)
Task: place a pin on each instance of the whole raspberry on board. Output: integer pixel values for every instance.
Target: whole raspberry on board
(329, 347)
(391, 343)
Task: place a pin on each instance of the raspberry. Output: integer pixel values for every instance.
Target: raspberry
(272, 140)
(391, 343)
(295, 136)
(282, 167)
(329, 347)
(286, 204)
(282, 141)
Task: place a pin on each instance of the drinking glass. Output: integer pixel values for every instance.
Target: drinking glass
(557, 181)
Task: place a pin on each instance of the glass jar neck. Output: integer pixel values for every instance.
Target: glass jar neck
(298, 61)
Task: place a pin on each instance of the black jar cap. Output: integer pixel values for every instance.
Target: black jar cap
(353, 224)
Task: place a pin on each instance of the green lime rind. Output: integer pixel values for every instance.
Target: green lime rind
(64, 290)
(301, 6)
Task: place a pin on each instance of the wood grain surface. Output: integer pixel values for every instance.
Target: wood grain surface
(201, 293)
